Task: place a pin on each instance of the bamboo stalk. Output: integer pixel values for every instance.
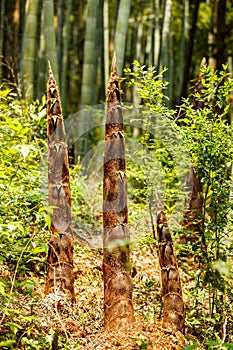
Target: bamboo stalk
(64, 68)
(121, 32)
(50, 37)
(2, 25)
(89, 79)
(29, 50)
(41, 76)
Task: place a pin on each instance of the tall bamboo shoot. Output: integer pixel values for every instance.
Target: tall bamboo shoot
(60, 258)
(173, 309)
(118, 306)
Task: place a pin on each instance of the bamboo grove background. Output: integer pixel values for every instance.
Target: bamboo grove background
(79, 37)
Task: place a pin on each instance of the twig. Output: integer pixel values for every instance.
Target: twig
(61, 323)
(224, 330)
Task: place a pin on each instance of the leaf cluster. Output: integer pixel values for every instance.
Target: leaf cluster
(204, 136)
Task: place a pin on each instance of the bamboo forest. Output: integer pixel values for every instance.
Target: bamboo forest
(116, 225)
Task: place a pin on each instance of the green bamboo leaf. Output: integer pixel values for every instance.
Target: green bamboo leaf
(195, 322)
(47, 219)
(38, 250)
(30, 318)
(2, 288)
(222, 267)
(190, 347)
(13, 326)
(7, 343)
(11, 311)
(212, 343)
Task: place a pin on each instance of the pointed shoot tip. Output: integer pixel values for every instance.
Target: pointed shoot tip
(203, 63)
(159, 203)
(50, 69)
(114, 66)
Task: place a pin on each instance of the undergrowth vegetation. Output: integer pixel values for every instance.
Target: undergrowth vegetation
(201, 138)
(167, 144)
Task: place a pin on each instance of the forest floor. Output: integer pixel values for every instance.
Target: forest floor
(80, 324)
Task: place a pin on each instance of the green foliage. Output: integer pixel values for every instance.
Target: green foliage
(146, 241)
(19, 181)
(140, 344)
(22, 220)
(150, 85)
(206, 136)
(160, 163)
(25, 220)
